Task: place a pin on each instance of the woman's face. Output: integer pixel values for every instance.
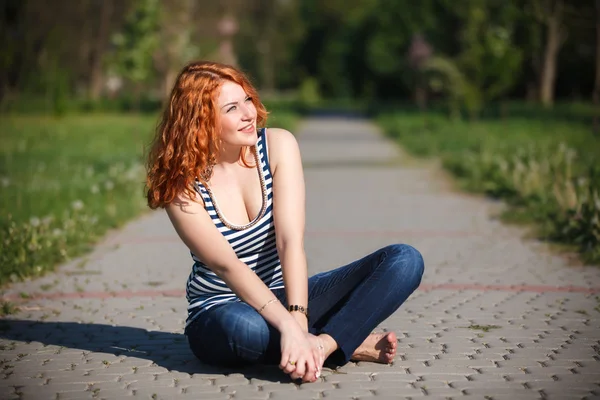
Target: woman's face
(237, 115)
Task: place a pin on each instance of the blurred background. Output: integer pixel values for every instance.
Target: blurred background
(504, 93)
(125, 54)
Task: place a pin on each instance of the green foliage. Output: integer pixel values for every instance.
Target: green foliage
(135, 44)
(309, 94)
(546, 171)
(36, 105)
(370, 41)
(443, 76)
(489, 60)
(7, 308)
(67, 181)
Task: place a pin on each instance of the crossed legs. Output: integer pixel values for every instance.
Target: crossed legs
(345, 304)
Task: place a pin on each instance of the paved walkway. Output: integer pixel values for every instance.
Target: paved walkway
(496, 317)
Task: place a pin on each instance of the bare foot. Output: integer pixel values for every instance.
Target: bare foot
(377, 347)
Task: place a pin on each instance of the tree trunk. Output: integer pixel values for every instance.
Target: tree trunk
(548, 76)
(168, 82)
(97, 73)
(555, 36)
(532, 95)
(421, 97)
(267, 69)
(596, 93)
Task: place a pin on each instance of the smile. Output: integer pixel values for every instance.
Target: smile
(247, 129)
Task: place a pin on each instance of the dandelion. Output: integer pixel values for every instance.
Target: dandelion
(77, 205)
(89, 171)
(116, 169)
(94, 189)
(57, 232)
(135, 171)
(47, 220)
(34, 221)
(5, 181)
(131, 175)
(109, 185)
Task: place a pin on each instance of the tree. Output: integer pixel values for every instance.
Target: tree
(550, 13)
(270, 31)
(596, 93)
(100, 41)
(489, 58)
(135, 44)
(398, 29)
(174, 40)
(418, 55)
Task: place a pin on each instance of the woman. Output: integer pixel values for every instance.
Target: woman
(234, 192)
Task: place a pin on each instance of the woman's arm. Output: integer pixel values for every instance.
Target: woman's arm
(289, 216)
(195, 227)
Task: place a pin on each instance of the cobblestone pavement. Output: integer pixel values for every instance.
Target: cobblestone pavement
(496, 317)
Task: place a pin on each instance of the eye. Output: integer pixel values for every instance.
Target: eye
(248, 98)
(231, 108)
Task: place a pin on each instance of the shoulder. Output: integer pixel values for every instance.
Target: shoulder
(280, 137)
(282, 145)
(187, 203)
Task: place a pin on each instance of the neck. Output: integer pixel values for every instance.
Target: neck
(230, 156)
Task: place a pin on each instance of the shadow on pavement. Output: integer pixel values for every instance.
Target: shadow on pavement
(165, 349)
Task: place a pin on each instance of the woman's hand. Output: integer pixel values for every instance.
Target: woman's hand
(318, 352)
(300, 354)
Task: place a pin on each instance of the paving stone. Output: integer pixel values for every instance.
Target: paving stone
(395, 377)
(346, 393)
(294, 395)
(156, 393)
(231, 381)
(398, 393)
(198, 389)
(133, 346)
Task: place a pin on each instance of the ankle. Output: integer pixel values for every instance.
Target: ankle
(329, 344)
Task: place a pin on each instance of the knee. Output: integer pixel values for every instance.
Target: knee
(247, 333)
(407, 262)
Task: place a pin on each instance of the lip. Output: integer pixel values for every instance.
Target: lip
(248, 128)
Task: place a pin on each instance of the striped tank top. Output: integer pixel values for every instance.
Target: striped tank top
(254, 244)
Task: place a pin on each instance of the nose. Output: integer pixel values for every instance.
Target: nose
(248, 111)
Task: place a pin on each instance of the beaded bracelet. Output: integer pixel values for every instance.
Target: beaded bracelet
(295, 307)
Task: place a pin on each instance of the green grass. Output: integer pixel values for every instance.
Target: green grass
(66, 181)
(545, 168)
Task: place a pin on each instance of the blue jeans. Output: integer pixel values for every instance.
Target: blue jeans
(346, 303)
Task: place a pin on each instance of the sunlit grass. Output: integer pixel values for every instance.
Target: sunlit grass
(547, 170)
(65, 182)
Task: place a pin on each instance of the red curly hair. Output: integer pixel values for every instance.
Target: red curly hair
(187, 137)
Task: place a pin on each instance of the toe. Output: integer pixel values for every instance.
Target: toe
(391, 337)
